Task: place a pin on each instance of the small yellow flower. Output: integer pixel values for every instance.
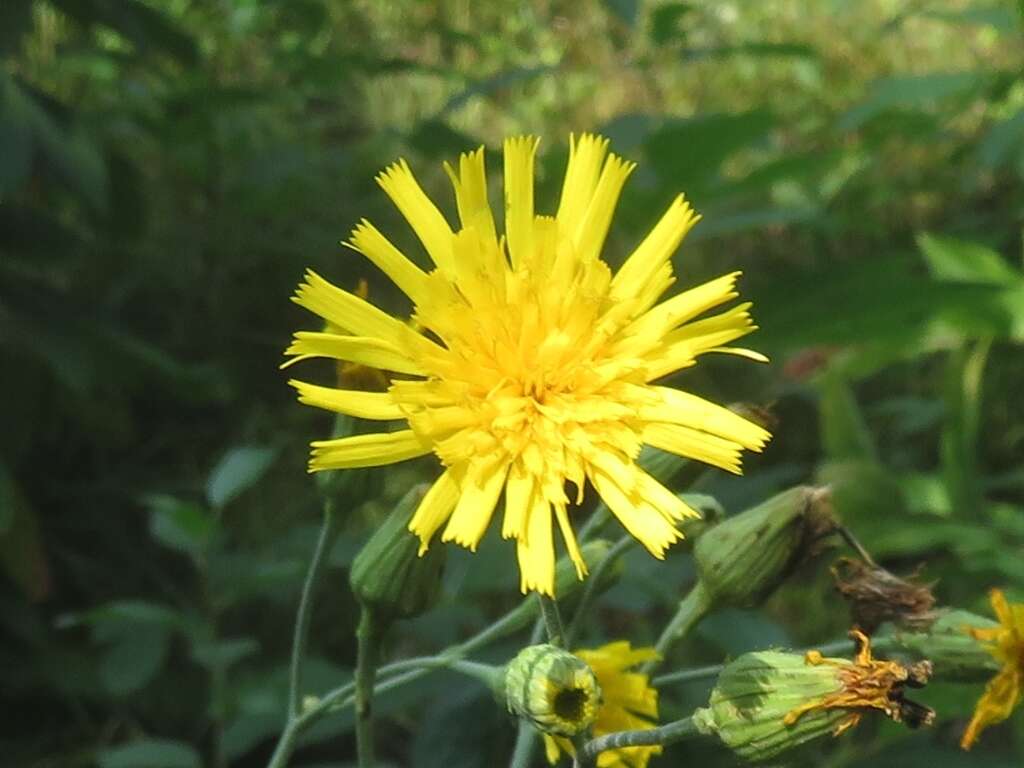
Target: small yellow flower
(629, 704)
(1006, 644)
(529, 364)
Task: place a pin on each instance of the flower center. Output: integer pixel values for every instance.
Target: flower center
(571, 704)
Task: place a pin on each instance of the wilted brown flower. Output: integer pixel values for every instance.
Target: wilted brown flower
(870, 683)
(876, 596)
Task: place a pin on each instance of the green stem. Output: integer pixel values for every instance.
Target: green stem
(526, 742)
(591, 586)
(665, 734)
(691, 610)
(368, 636)
(305, 613)
(552, 620)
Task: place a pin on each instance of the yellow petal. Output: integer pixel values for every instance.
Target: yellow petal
(642, 521)
(571, 545)
(678, 407)
(371, 352)
(435, 507)
(372, 450)
(536, 553)
(1001, 695)
(692, 444)
(586, 156)
(363, 405)
(471, 193)
(655, 251)
(478, 496)
(593, 228)
(519, 155)
(348, 311)
(519, 491)
(427, 222)
(655, 323)
(409, 278)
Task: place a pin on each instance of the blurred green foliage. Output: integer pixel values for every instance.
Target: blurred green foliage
(169, 167)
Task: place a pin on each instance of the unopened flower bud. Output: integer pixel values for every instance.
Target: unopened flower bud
(743, 559)
(553, 689)
(388, 576)
(768, 702)
(951, 647)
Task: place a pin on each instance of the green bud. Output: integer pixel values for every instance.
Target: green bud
(956, 655)
(743, 559)
(756, 692)
(388, 576)
(553, 689)
(768, 702)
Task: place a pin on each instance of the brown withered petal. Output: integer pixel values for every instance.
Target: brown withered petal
(870, 683)
(876, 596)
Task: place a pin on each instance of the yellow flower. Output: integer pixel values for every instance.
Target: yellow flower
(530, 364)
(1006, 644)
(629, 704)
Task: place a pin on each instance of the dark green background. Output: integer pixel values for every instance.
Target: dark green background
(167, 170)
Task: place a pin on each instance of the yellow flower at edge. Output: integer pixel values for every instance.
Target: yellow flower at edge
(531, 366)
(629, 704)
(1003, 691)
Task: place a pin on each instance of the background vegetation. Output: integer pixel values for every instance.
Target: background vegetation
(169, 167)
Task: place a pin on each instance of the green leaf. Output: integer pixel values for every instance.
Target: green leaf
(9, 498)
(1001, 140)
(665, 21)
(695, 148)
(15, 22)
(960, 435)
(150, 753)
(965, 262)
(239, 470)
(844, 434)
(16, 140)
(223, 653)
(180, 525)
(626, 10)
(148, 29)
(906, 91)
(135, 659)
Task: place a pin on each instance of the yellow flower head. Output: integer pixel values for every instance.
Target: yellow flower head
(629, 704)
(1006, 644)
(530, 363)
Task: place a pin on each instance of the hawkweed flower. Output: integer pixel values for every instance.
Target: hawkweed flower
(769, 702)
(529, 365)
(1005, 643)
(555, 690)
(629, 703)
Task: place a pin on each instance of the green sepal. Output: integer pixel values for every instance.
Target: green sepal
(388, 576)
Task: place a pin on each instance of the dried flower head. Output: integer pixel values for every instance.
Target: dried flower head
(869, 683)
(876, 596)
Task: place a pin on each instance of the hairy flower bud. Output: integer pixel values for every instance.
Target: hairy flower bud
(743, 559)
(768, 702)
(553, 689)
(956, 653)
(388, 576)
